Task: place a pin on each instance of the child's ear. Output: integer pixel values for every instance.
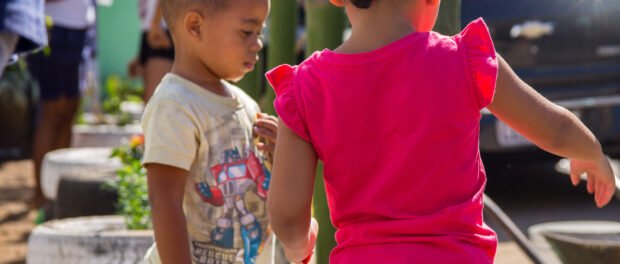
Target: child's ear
(192, 24)
(337, 2)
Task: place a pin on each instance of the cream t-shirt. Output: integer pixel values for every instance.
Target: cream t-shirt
(210, 136)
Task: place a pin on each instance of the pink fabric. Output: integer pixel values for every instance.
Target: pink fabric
(397, 129)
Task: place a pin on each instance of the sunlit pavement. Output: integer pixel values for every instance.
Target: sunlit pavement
(535, 192)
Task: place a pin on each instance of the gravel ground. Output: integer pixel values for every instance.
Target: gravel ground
(16, 220)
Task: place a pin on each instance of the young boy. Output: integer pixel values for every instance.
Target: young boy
(207, 179)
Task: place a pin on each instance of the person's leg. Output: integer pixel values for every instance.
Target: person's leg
(53, 131)
(70, 109)
(59, 78)
(154, 70)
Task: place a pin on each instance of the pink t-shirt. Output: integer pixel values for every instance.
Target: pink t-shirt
(397, 129)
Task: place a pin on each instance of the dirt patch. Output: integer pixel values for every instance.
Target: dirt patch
(510, 253)
(16, 221)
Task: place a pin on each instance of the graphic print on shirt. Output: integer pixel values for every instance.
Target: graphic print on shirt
(234, 176)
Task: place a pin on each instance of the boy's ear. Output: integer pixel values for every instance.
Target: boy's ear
(192, 24)
(339, 3)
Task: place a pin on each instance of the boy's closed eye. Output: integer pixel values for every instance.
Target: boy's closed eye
(249, 33)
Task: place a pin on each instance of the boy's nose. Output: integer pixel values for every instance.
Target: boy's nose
(258, 45)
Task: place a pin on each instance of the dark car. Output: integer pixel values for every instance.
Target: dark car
(568, 50)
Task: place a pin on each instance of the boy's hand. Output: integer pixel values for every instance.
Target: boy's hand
(601, 179)
(266, 126)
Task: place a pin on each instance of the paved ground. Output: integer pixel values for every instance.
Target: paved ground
(529, 194)
(533, 193)
(536, 193)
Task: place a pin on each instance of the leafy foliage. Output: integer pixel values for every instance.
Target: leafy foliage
(117, 91)
(133, 201)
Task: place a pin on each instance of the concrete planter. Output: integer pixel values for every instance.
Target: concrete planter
(103, 135)
(94, 240)
(82, 192)
(58, 162)
(571, 242)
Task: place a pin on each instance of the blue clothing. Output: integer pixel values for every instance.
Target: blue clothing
(26, 19)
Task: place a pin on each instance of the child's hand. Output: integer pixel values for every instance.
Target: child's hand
(601, 179)
(266, 126)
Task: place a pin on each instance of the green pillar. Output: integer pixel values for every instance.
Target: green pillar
(325, 25)
(449, 19)
(281, 48)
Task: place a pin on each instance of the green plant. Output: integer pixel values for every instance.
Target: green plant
(117, 91)
(133, 202)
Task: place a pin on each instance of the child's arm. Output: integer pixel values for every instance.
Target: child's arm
(290, 194)
(554, 129)
(166, 188)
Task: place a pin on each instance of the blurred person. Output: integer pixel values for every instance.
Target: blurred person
(22, 28)
(60, 74)
(156, 50)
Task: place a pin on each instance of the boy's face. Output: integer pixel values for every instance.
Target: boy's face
(232, 38)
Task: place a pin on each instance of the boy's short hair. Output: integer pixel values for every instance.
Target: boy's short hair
(172, 9)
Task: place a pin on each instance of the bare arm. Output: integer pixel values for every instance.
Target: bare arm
(157, 17)
(156, 36)
(166, 188)
(552, 128)
(290, 194)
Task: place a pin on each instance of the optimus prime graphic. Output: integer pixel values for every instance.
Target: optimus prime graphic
(234, 176)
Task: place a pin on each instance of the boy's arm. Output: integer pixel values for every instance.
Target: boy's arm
(290, 194)
(166, 185)
(554, 129)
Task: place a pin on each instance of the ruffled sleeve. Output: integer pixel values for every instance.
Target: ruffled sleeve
(287, 102)
(481, 61)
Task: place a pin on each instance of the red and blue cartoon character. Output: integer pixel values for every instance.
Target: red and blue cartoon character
(234, 176)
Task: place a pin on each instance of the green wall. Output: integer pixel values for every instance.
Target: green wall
(118, 35)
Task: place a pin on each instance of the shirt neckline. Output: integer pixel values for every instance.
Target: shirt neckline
(351, 59)
(232, 102)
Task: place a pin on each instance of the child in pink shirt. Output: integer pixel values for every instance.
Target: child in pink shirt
(394, 115)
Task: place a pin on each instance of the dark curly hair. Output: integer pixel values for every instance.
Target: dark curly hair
(362, 3)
